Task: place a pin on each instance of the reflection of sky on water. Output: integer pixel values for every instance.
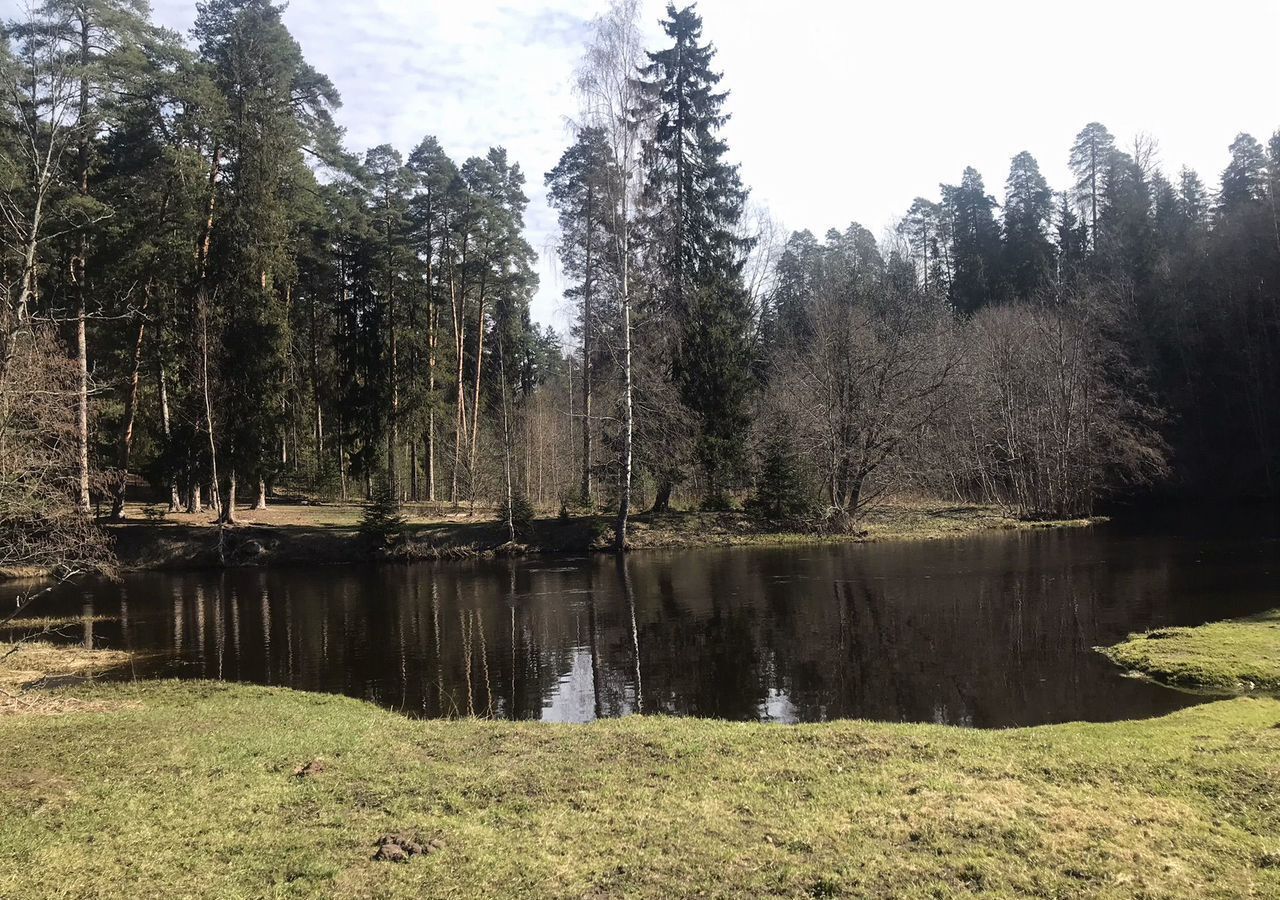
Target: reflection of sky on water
(573, 697)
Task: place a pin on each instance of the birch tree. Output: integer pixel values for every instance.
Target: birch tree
(610, 94)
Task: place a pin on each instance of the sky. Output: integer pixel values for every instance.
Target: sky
(842, 110)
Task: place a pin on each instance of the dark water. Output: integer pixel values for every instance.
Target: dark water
(989, 631)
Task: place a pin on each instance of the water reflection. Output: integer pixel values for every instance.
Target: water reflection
(988, 632)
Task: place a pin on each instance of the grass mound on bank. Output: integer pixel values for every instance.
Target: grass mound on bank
(1240, 654)
(203, 789)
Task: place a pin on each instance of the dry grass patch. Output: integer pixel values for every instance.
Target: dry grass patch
(26, 666)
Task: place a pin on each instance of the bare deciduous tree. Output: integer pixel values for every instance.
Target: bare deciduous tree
(862, 391)
(610, 96)
(1051, 413)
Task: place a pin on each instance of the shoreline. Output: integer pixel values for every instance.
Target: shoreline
(330, 535)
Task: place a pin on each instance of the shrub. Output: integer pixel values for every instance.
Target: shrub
(521, 514)
(382, 522)
(783, 493)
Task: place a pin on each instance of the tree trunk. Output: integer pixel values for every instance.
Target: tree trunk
(79, 266)
(662, 500)
(506, 447)
(475, 406)
(342, 465)
(82, 399)
(261, 501)
(413, 469)
(433, 324)
(393, 433)
(456, 301)
(431, 455)
(206, 236)
(228, 498)
(586, 356)
(624, 476)
(318, 414)
(125, 444)
(174, 500)
(215, 498)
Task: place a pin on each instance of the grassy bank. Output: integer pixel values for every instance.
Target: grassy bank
(28, 668)
(203, 790)
(319, 534)
(1238, 655)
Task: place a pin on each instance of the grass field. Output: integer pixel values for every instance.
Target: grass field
(202, 789)
(189, 790)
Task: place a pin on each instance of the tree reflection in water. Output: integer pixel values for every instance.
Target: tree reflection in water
(987, 632)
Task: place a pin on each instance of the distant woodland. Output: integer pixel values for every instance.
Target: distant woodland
(209, 299)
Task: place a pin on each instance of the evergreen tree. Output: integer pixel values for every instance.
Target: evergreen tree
(1028, 209)
(393, 281)
(581, 187)
(149, 173)
(922, 229)
(437, 178)
(784, 494)
(1193, 200)
(1089, 158)
(975, 243)
(1126, 241)
(276, 105)
(695, 198)
(1072, 240)
(787, 307)
(1244, 181)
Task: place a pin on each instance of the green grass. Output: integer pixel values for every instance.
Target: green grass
(188, 790)
(1241, 654)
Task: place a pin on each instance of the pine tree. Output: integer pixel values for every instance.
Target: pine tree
(581, 187)
(922, 228)
(149, 173)
(1244, 181)
(430, 207)
(1089, 159)
(394, 271)
(1028, 209)
(787, 319)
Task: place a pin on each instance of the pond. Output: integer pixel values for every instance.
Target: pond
(988, 631)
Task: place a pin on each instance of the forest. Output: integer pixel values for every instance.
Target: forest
(210, 299)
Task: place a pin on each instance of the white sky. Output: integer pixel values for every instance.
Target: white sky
(842, 111)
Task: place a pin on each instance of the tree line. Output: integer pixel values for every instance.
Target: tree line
(204, 289)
